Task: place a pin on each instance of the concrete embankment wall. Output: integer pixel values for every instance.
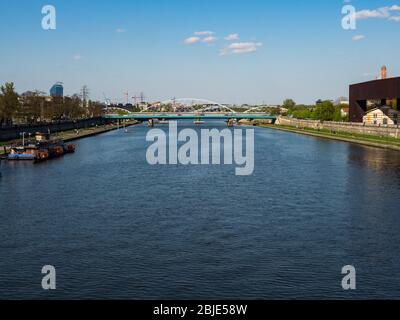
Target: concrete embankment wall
(351, 127)
(12, 133)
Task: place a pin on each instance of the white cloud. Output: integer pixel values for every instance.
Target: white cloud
(232, 37)
(204, 33)
(120, 30)
(395, 18)
(380, 13)
(367, 14)
(77, 57)
(240, 48)
(192, 40)
(358, 37)
(201, 36)
(209, 39)
(236, 47)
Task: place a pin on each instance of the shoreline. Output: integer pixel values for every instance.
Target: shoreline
(370, 141)
(340, 136)
(71, 135)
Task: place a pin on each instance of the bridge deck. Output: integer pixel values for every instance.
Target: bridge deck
(191, 116)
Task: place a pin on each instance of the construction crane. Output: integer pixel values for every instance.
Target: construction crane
(139, 100)
(142, 97)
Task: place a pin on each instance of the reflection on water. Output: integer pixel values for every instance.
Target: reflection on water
(377, 159)
(116, 227)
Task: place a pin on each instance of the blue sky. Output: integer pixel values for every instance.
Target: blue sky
(283, 48)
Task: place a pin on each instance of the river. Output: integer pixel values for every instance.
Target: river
(115, 227)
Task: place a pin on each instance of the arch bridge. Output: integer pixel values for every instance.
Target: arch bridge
(189, 104)
(184, 109)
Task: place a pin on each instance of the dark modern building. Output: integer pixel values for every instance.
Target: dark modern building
(380, 90)
(57, 90)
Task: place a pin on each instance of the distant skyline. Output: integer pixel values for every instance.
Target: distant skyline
(230, 51)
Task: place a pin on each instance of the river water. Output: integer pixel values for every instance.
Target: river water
(115, 227)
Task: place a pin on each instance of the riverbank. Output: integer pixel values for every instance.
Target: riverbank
(72, 135)
(367, 140)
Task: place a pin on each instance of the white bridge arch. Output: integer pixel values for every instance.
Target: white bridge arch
(196, 101)
(119, 109)
(254, 109)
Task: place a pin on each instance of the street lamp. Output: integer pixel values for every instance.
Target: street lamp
(23, 138)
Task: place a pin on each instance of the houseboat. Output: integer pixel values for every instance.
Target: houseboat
(56, 148)
(28, 153)
(20, 154)
(42, 149)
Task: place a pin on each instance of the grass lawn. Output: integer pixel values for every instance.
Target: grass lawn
(344, 135)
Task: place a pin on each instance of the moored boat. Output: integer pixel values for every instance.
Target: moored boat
(29, 153)
(42, 149)
(39, 154)
(20, 154)
(55, 147)
(69, 148)
(55, 151)
(42, 155)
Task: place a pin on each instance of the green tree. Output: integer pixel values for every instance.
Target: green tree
(301, 112)
(289, 104)
(32, 106)
(337, 115)
(95, 109)
(72, 108)
(9, 103)
(324, 111)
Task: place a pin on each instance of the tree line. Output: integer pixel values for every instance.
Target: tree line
(34, 107)
(322, 110)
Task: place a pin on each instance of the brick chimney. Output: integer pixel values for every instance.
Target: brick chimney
(383, 73)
